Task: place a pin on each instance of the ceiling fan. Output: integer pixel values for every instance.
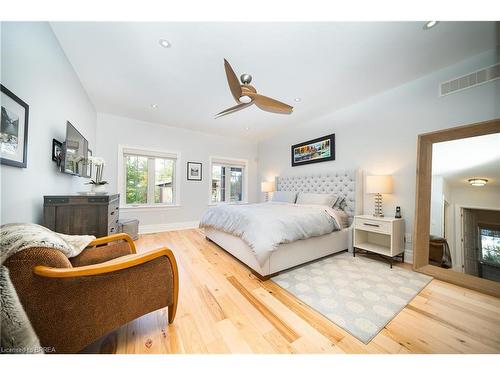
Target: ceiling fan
(246, 95)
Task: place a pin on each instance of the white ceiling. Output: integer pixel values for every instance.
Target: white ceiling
(459, 160)
(328, 65)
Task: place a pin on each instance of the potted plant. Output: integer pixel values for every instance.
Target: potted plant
(97, 184)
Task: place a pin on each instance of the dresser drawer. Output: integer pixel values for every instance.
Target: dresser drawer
(373, 225)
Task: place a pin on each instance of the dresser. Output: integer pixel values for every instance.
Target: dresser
(380, 235)
(96, 215)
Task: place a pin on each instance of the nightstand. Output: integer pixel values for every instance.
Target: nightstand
(380, 235)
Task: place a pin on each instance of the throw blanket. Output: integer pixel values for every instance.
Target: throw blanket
(17, 335)
(264, 226)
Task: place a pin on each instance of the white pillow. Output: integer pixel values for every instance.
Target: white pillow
(317, 198)
(284, 196)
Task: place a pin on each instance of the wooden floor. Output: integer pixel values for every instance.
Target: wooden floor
(223, 308)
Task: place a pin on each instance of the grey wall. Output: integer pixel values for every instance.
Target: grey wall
(35, 68)
(192, 146)
(379, 135)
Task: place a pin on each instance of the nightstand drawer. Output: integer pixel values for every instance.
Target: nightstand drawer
(373, 225)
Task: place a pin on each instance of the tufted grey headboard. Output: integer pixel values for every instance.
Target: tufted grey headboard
(347, 184)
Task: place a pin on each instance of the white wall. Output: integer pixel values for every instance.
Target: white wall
(35, 68)
(379, 134)
(192, 146)
(440, 192)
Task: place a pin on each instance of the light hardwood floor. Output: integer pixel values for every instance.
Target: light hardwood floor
(223, 308)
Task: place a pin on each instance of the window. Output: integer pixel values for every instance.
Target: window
(148, 177)
(490, 245)
(228, 182)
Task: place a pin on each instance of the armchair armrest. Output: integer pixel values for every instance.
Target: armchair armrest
(114, 237)
(113, 265)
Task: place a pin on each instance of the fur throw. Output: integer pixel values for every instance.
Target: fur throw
(17, 334)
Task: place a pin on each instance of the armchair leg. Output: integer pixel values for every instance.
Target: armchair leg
(172, 310)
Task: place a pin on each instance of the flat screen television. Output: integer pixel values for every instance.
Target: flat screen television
(75, 152)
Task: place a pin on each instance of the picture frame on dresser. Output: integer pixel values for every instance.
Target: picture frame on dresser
(13, 129)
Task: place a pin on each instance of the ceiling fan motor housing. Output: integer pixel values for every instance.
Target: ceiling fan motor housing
(246, 79)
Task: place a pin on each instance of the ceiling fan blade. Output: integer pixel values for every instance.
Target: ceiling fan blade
(270, 105)
(232, 79)
(233, 109)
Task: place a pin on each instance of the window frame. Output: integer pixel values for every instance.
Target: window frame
(221, 160)
(152, 153)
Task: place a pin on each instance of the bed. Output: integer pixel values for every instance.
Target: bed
(346, 184)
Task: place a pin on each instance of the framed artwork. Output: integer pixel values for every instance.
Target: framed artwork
(194, 171)
(314, 151)
(13, 129)
(56, 151)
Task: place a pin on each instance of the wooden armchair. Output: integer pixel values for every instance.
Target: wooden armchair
(73, 302)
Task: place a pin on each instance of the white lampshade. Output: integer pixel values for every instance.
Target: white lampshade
(267, 186)
(378, 184)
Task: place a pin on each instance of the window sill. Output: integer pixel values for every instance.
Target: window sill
(149, 207)
(232, 203)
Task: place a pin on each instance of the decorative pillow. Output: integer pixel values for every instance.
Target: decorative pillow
(341, 203)
(317, 198)
(342, 217)
(284, 196)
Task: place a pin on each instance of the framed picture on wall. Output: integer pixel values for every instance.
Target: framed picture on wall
(13, 129)
(314, 151)
(194, 171)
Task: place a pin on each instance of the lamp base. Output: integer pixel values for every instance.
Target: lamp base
(378, 206)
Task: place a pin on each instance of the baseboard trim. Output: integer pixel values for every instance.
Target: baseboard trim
(409, 256)
(167, 227)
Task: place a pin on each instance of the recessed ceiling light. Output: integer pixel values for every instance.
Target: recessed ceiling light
(477, 181)
(154, 106)
(247, 128)
(430, 24)
(165, 43)
(298, 99)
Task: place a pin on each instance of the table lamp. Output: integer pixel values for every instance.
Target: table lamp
(378, 185)
(267, 187)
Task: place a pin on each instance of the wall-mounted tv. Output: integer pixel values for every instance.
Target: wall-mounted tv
(75, 152)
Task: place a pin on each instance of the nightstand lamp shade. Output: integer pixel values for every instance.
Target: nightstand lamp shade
(378, 185)
(267, 187)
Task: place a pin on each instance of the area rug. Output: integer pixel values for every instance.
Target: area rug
(359, 294)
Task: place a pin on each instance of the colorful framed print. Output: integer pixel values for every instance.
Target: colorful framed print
(314, 151)
(13, 129)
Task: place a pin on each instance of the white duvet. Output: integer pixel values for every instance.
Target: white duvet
(263, 226)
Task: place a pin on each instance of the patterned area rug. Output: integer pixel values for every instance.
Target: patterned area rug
(359, 294)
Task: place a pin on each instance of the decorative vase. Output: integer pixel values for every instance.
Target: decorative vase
(99, 189)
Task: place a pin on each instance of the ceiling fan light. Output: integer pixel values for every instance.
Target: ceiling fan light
(245, 99)
(477, 181)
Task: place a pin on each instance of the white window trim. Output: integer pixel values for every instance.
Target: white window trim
(146, 151)
(223, 159)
